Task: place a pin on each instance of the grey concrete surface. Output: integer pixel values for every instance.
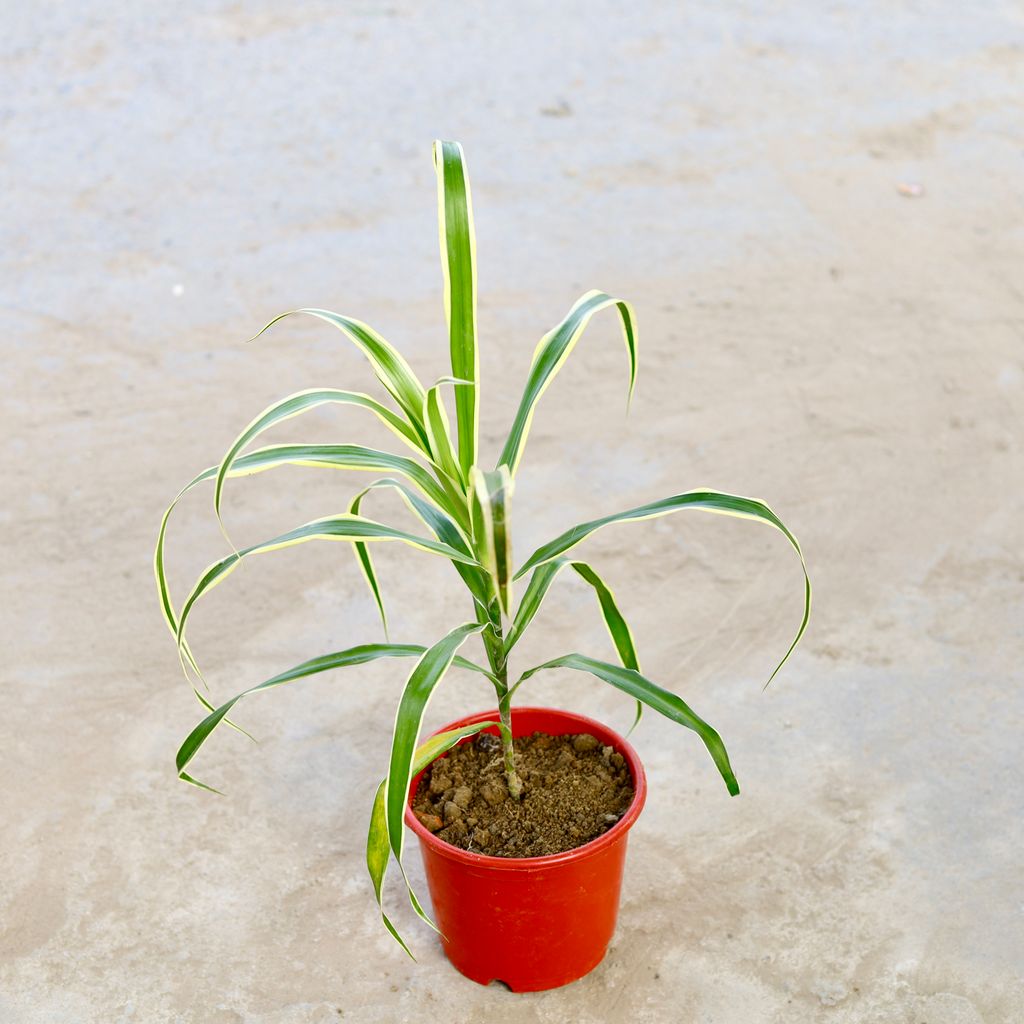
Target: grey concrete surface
(174, 175)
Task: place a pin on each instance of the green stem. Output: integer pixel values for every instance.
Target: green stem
(494, 643)
(512, 780)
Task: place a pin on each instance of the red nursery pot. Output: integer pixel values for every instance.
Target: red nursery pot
(531, 922)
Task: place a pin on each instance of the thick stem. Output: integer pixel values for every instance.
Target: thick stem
(495, 646)
(512, 780)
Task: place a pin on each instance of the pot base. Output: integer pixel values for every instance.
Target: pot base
(538, 983)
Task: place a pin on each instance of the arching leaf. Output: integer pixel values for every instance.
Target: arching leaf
(550, 356)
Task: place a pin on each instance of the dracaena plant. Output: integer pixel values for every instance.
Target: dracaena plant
(464, 510)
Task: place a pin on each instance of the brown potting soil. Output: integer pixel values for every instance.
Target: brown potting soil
(574, 789)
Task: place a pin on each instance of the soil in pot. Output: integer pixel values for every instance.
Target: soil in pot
(574, 789)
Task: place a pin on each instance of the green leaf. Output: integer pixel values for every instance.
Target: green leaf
(366, 564)
(377, 855)
(304, 401)
(663, 701)
(446, 531)
(439, 435)
(429, 671)
(378, 849)
(551, 354)
(490, 496)
(702, 500)
(541, 580)
(458, 261)
(358, 655)
(345, 456)
(341, 527)
(388, 363)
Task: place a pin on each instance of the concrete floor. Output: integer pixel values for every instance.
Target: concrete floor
(175, 175)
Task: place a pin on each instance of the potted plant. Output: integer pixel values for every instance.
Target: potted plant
(549, 916)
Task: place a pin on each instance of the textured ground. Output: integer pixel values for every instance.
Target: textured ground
(173, 176)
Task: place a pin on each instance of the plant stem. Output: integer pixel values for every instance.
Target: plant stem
(495, 646)
(512, 780)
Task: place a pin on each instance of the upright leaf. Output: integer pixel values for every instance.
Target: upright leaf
(439, 436)
(458, 261)
(490, 497)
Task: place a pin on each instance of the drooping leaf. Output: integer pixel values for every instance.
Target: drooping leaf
(388, 363)
(446, 531)
(355, 457)
(550, 356)
(344, 527)
(490, 498)
(378, 849)
(458, 261)
(365, 561)
(429, 671)
(268, 458)
(661, 700)
(296, 405)
(701, 500)
(358, 655)
(540, 582)
(618, 629)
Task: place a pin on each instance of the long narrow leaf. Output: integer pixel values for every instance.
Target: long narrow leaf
(701, 500)
(388, 363)
(365, 561)
(378, 853)
(663, 701)
(445, 529)
(490, 498)
(378, 849)
(618, 629)
(350, 457)
(304, 401)
(458, 260)
(254, 462)
(337, 528)
(540, 582)
(428, 672)
(358, 655)
(551, 354)
(439, 435)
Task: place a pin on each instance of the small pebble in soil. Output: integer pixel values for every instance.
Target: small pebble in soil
(429, 821)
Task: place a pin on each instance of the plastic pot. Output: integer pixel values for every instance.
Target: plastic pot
(530, 922)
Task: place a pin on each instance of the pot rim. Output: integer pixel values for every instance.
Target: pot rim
(596, 845)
